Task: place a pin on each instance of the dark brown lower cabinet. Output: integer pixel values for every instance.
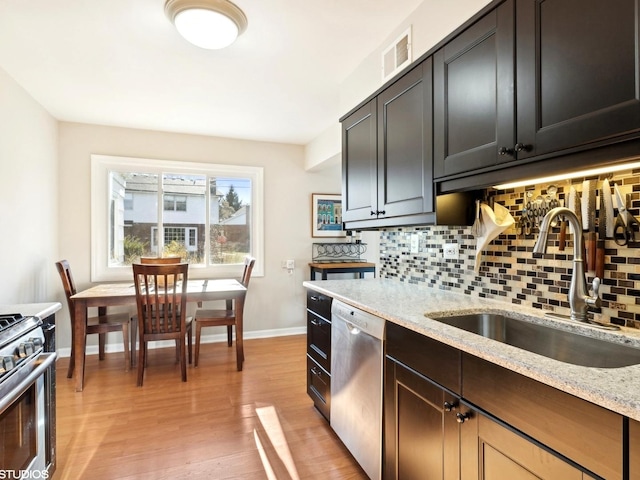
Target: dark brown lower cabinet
(431, 434)
(634, 450)
(587, 434)
(421, 438)
(495, 452)
(490, 423)
(319, 351)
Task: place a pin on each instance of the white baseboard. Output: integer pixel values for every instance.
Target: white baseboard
(217, 338)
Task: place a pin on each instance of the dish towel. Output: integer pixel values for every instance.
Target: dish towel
(494, 222)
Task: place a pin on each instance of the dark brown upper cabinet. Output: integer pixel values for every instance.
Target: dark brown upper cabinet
(405, 156)
(577, 73)
(474, 111)
(359, 164)
(387, 169)
(536, 79)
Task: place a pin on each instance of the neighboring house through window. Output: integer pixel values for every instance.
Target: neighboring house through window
(208, 214)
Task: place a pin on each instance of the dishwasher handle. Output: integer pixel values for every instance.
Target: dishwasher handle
(358, 320)
(353, 330)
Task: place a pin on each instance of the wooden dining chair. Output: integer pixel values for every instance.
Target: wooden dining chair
(160, 260)
(161, 298)
(134, 331)
(102, 324)
(227, 317)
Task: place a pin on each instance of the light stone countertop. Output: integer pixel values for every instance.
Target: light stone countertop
(410, 305)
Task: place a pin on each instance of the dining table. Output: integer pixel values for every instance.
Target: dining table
(124, 293)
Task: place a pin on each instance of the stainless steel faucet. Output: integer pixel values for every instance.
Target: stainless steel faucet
(579, 299)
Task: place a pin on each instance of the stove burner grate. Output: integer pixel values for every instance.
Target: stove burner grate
(7, 321)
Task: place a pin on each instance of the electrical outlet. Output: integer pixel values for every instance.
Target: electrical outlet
(290, 264)
(415, 242)
(450, 250)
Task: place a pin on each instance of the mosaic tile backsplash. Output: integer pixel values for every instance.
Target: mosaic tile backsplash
(509, 270)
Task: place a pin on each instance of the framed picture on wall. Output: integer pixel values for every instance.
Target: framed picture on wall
(326, 215)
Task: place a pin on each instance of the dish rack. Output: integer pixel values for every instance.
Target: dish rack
(338, 252)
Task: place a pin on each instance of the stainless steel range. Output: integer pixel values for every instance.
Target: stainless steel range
(27, 405)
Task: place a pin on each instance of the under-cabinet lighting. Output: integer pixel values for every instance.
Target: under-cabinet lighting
(592, 172)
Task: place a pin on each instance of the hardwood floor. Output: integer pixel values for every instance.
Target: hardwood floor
(220, 424)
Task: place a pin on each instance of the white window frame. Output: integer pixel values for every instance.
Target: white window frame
(101, 165)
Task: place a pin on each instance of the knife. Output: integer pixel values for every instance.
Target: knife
(573, 205)
(562, 240)
(584, 205)
(591, 199)
(590, 223)
(608, 205)
(602, 234)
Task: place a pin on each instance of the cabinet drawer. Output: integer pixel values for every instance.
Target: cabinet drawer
(319, 387)
(588, 434)
(319, 340)
(430, 358)
(319, 304)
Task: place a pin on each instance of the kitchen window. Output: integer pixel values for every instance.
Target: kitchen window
(208, 214)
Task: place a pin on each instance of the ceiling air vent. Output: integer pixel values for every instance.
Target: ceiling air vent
(396, 56)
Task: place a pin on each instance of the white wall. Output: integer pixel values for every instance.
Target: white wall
(325, 149)
(275, 301)
(28, 197)
(431, 22)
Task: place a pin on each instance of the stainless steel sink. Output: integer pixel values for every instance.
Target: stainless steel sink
(550, 342)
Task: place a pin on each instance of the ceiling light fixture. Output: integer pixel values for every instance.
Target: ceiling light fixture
(210, 24)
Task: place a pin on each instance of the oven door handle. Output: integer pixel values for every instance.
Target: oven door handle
(17, 386)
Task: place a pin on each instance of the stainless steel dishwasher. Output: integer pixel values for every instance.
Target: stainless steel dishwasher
(356, 384)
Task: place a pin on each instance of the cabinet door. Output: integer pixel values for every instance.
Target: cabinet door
(495, 452)
(405, 158)
(578, 73)
(359, 164)
(474, 112)
(634, 450)
(421, 439)
(589, 435)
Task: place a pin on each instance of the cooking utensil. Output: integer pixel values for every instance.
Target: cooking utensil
(608, 205)
(602, 233)
(590, 241)
(562, 239)
(626, 224)
(552, 190)
(574, 205)
(552, 202)
(539, 209)
(584, 205)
